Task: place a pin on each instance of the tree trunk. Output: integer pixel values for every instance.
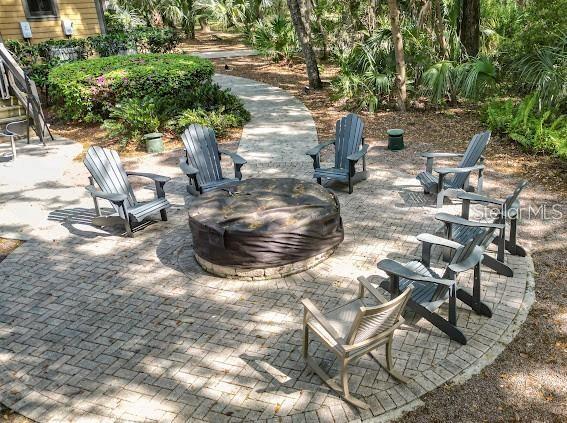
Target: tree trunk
(440, 29)
(469, 31)
(423, 14)
(399, 51)
(321, 28)
(308, 53)
(204, 24)
(189, 19)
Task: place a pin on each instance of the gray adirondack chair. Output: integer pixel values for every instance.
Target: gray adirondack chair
(353, 330)
(202, 159)
(442, 185)
(431, 289)
(462, 228)
(107, 171)
(349, 149)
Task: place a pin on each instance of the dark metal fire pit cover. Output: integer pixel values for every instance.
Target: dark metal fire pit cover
(259, 223)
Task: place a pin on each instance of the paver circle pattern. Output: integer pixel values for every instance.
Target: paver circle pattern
(99, 327)
(134, 329)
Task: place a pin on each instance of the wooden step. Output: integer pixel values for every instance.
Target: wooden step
(7, 112)
(12, 101)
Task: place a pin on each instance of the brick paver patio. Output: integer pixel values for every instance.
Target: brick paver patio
(96, 326)
(133, 329)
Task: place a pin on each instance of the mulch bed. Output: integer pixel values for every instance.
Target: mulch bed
(528, 381)
(7, 246)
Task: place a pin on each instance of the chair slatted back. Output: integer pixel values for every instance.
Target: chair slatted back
(510, 202)
(106, 168)
(373, 321)
(470, 254)
(472, 155)
(348, 138)
(202, 152)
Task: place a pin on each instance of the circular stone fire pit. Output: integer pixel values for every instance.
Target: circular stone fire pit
(265, 228)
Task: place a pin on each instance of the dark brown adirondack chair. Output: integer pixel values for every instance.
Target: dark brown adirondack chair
(461, 228)
(443, 185)
(349, 149)
(431, 290)
(106, 170)
(353, 330)
(202, 159)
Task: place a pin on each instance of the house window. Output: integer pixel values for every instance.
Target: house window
(40, 8)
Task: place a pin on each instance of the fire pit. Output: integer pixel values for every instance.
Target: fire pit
(265, 228)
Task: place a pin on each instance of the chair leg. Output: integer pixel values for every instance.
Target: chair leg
(440, 198)
(350, 184)
(497, 266)
(163, 214)
(512, 245)
(346, 392)
(127, 223)
(319, 181)
(305, 341)
(439, 322)
(474, 301)
(330, 382)
(388, 365)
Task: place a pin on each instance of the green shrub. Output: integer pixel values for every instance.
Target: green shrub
(275, 38)
(143, 93)
(142, 40)
(89, 89)
(522, 123)
(38, 59)
(219, 120)
(133, 118)
(111, 44)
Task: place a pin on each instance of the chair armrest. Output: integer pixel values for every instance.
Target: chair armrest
(458, 220)
(354, 157)
(187, 168)
(429, 155)
(445, 170)
(237, 159)
(110, 196)
(317, 149)
(392, 267)
(9, 132)
(477, 198)
(317, 315)
(437, 240)
(152, 176)
(365, 284)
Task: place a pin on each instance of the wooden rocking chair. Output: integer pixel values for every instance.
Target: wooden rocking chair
(353, 330)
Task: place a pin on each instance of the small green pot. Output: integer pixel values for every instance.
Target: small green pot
(154, 143)
(395, 139)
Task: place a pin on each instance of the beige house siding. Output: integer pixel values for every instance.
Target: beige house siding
(83, 14)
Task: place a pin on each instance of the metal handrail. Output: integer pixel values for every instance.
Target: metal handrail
(25, 91)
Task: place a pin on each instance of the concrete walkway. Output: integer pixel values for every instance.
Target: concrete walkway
(281, 129)
(220, 54)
